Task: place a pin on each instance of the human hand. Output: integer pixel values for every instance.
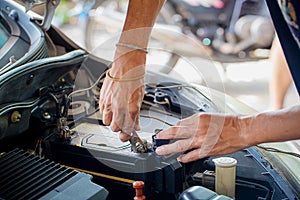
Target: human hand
(204, 135)
(120, 100)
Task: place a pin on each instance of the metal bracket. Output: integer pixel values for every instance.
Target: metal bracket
(63, 130)
(49, 9)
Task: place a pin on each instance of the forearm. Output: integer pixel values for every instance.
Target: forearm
(274, 126)
(123, 88)
(140, 19)
(141, 16)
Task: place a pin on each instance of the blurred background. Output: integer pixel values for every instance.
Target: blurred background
(195, 41)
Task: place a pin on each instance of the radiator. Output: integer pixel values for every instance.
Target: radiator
(25, 176)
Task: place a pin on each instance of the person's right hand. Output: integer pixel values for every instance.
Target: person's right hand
(120, 101)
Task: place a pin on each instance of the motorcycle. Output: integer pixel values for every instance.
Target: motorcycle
(49, 90)
(221, 30)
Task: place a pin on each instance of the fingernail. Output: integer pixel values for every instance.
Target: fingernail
(179, 159)
(137, 127)
(159, 150)
(105, 122)
(158, 135)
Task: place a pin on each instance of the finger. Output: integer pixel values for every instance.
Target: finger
(130, 119)
(137, 123)
(117, 121)
(101, 100)
(101, 105)
(128, 124)
(174, 132)
(134, 113)
(192, 156)
(189, 121)
(114, 127)
(107, 117)
(107, 112)
(104, 95)
(176, 147)
(124, 137)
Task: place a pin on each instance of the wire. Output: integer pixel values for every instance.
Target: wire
(150, 85)
(37, 145)
(89, 88)
(83, 118)
(150, 117)
(86, 141)
(153, 85)
(57, 105)
(248, 183)
(50, 135)
(271, 149)
(86, 89)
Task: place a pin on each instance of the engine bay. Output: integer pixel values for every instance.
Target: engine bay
(49, 109)
(69, 131)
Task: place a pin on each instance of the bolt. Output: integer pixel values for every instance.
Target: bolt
(46, 115)
(29, 79)
(15, 117)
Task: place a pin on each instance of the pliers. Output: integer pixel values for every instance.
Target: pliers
(137, 144)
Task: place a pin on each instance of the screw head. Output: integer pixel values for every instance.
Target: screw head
(46, 115)
(15, 117)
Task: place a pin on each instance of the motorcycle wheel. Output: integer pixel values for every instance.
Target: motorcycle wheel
(107, 17)
(114, 12)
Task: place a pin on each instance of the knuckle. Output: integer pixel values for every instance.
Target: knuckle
(133, 111)
(124, 137)
(127, 130)
(170, 132)
(179, 147)
(173, 131)
(105, 122)
(114, 128)
(204, 116)
(196, 142)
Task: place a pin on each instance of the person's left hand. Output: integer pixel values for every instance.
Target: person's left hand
(204, 135)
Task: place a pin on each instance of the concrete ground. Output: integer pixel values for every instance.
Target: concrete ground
(246, 81)
(249, 82)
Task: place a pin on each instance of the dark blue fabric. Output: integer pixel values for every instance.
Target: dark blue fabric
(291, 13)
(286, 17)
